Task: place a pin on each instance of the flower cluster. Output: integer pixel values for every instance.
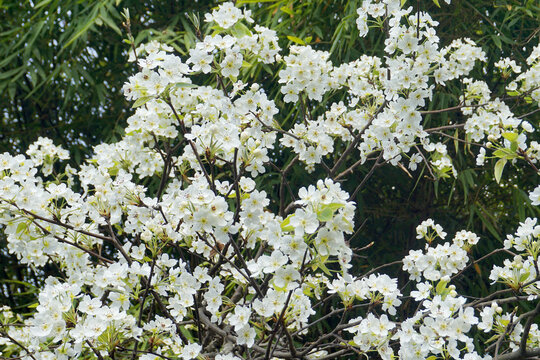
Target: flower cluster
(170, 243)
(522, 271)
(44, 152)
(307, 70)
(440, 261)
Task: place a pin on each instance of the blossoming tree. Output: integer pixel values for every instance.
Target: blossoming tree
(206, 265)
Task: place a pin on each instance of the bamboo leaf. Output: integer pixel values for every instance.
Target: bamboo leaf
(496, 41)
(296, 40)
(36, 30)
(240, 2)
(82, 30)
(109, 22)
(287, 10)
(11, 73)
(41, 4)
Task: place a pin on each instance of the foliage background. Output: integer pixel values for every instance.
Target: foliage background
(63, 63)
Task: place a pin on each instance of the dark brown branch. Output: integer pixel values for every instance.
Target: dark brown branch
(529, 161)
(524, 336)
(426, 162)
(356, 140)
(482, 258)
(507, 331)
(192, 145)
(67, 226)
(18, 344)
(141, 304)
(382, 267)
(500, 292)
(271, 128)
(366, 178)
(458, 107)
(528, 114)
(518, 355)
(94, 350)
(88, 251)
(446, 127)
(117, 244)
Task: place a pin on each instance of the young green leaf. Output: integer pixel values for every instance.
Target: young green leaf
(296, 40)
(499, 167)
(141, 101)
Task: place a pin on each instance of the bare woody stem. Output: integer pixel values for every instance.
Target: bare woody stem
(355, 142)
(192, 145)
(3, 333)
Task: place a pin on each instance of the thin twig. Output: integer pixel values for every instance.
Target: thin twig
(356, 140)
(18, 344)
(365, 179)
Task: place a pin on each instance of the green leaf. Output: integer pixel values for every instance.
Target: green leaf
(326, 213)
(493, 338)
(488, 221)
(497, 41)
(321, 264)
(285, 224)
(523, 277)
(186, 333)
(296, 40)
(335, 206)
(8, 59)
(286, 10)
(11, 73)
(21, 227)
(510, 136)
(41, 3)
(141, 101)
(436, 2)
(82, 30)
(36, 32)
(241, 30)
(18, 282)
(240, 2)
(441, 286)
(185, 85)
(104, 16)
(456, 142)
(267, 69)
(505, 154)
(499, 167)
(514, 146)
(499, 153)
